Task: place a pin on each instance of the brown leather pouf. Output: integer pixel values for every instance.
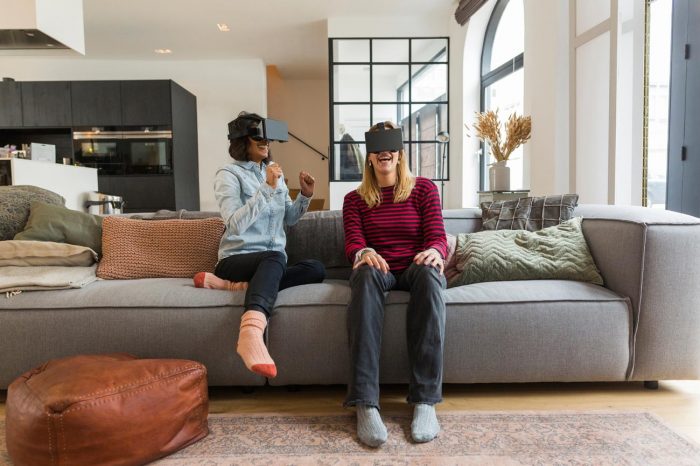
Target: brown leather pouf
(105, 409)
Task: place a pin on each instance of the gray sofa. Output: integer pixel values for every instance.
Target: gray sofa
(643, 325)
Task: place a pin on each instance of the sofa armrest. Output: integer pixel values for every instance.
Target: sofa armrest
(653, 258)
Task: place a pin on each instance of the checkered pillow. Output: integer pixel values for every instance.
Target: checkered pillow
(528, 213)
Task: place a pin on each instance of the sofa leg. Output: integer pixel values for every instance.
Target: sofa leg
(651, 384)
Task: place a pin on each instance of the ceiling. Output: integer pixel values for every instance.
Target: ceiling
(291, 34)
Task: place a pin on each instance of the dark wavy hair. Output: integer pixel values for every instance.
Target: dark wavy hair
(238, 147)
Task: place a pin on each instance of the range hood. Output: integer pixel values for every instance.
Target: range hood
(42, 25)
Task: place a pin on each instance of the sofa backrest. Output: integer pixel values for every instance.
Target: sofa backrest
(319, 235)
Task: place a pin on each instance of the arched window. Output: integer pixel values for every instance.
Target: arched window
(502, 77)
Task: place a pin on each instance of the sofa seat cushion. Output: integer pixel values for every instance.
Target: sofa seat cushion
(515, 331)
(150, 318)
(142, 293)
(337, 292)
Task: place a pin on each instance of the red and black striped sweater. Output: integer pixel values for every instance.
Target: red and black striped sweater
(396, 231)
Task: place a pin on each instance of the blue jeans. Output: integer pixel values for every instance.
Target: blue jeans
(267, 273)
(425, 331)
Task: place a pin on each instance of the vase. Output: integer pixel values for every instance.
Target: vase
(499, 176)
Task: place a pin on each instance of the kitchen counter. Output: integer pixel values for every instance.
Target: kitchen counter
(72, 182)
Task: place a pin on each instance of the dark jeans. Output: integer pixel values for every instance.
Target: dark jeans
(267, 273)
(425, 332)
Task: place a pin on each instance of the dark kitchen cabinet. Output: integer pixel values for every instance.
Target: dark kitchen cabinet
(64, 112)
(46, 104)
(141, 193)
(10, 104)
(96, 103)
(146, 103)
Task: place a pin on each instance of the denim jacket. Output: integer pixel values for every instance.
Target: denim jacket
(254, 213)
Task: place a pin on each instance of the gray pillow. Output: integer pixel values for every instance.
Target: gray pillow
(318, 235)
(15, 203)
(528, 213)
(558, 252)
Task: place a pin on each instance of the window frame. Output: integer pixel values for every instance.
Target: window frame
(409, 140)
(492, 76)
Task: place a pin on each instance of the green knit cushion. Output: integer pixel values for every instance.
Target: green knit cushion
(557, 252)
(61, 225)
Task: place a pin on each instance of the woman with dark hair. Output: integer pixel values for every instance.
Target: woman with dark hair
(255, 205)
(395, 238)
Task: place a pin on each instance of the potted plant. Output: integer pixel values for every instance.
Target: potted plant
(488, 129)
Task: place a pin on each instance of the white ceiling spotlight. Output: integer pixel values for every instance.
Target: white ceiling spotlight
(163, 51)
(223, 27)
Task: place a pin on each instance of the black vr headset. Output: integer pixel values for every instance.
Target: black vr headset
(386, 138)
(258, 128)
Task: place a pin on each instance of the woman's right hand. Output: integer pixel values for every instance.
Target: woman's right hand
(373, 259)
(273, 173)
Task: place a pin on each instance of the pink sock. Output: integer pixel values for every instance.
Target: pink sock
(251, 346)
(211, 281)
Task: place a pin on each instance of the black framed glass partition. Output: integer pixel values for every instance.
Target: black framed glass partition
(404, 80)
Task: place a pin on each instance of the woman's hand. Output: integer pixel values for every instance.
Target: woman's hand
(431, 258)
(372, 259)
(306, 182)
(273, 173)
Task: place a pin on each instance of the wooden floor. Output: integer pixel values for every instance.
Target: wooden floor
(677, 403)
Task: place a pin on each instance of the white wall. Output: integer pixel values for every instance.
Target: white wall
(222, 87)
(303, 104)
(546, 99)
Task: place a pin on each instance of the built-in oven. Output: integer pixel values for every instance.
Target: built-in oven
(128, 152)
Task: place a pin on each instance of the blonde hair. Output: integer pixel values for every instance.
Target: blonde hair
(370, 191)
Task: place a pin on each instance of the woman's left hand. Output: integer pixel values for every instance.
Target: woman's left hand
(306, 182)
(431, 258)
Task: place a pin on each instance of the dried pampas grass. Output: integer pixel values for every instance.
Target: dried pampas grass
(488, 129)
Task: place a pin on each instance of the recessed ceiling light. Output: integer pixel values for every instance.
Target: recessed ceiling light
(163, 51)
(223, 27)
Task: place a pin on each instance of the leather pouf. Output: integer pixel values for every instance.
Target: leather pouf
(109, 409)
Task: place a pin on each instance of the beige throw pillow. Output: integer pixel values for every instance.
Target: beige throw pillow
(167, 248)
(44, 253)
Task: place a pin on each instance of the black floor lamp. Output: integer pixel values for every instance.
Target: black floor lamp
(443, 138)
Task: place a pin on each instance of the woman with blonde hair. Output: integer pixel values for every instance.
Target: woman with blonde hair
(395, 238)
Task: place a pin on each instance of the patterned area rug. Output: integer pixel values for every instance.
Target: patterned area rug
(484, 438)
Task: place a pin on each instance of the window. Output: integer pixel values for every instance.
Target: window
(659, 63)
(502, 78)
(403, 80)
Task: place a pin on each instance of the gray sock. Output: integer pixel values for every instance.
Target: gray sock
(370, 428)
(425, 426)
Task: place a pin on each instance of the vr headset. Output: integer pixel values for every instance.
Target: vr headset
(258, 128)
(390, 139)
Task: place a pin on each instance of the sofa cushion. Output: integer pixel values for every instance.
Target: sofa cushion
(558, 252)
(528, 213)
(15, 203)
(143, 317)
(61, 225)
(46, 253)
(318, 235)
(515, 331)
(166, 248)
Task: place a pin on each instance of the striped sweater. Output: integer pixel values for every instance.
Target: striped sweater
(396, 231)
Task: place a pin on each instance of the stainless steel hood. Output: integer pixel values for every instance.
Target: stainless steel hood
(42, 25)
(27, 39)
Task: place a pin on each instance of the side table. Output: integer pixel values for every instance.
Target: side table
(494, 196)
